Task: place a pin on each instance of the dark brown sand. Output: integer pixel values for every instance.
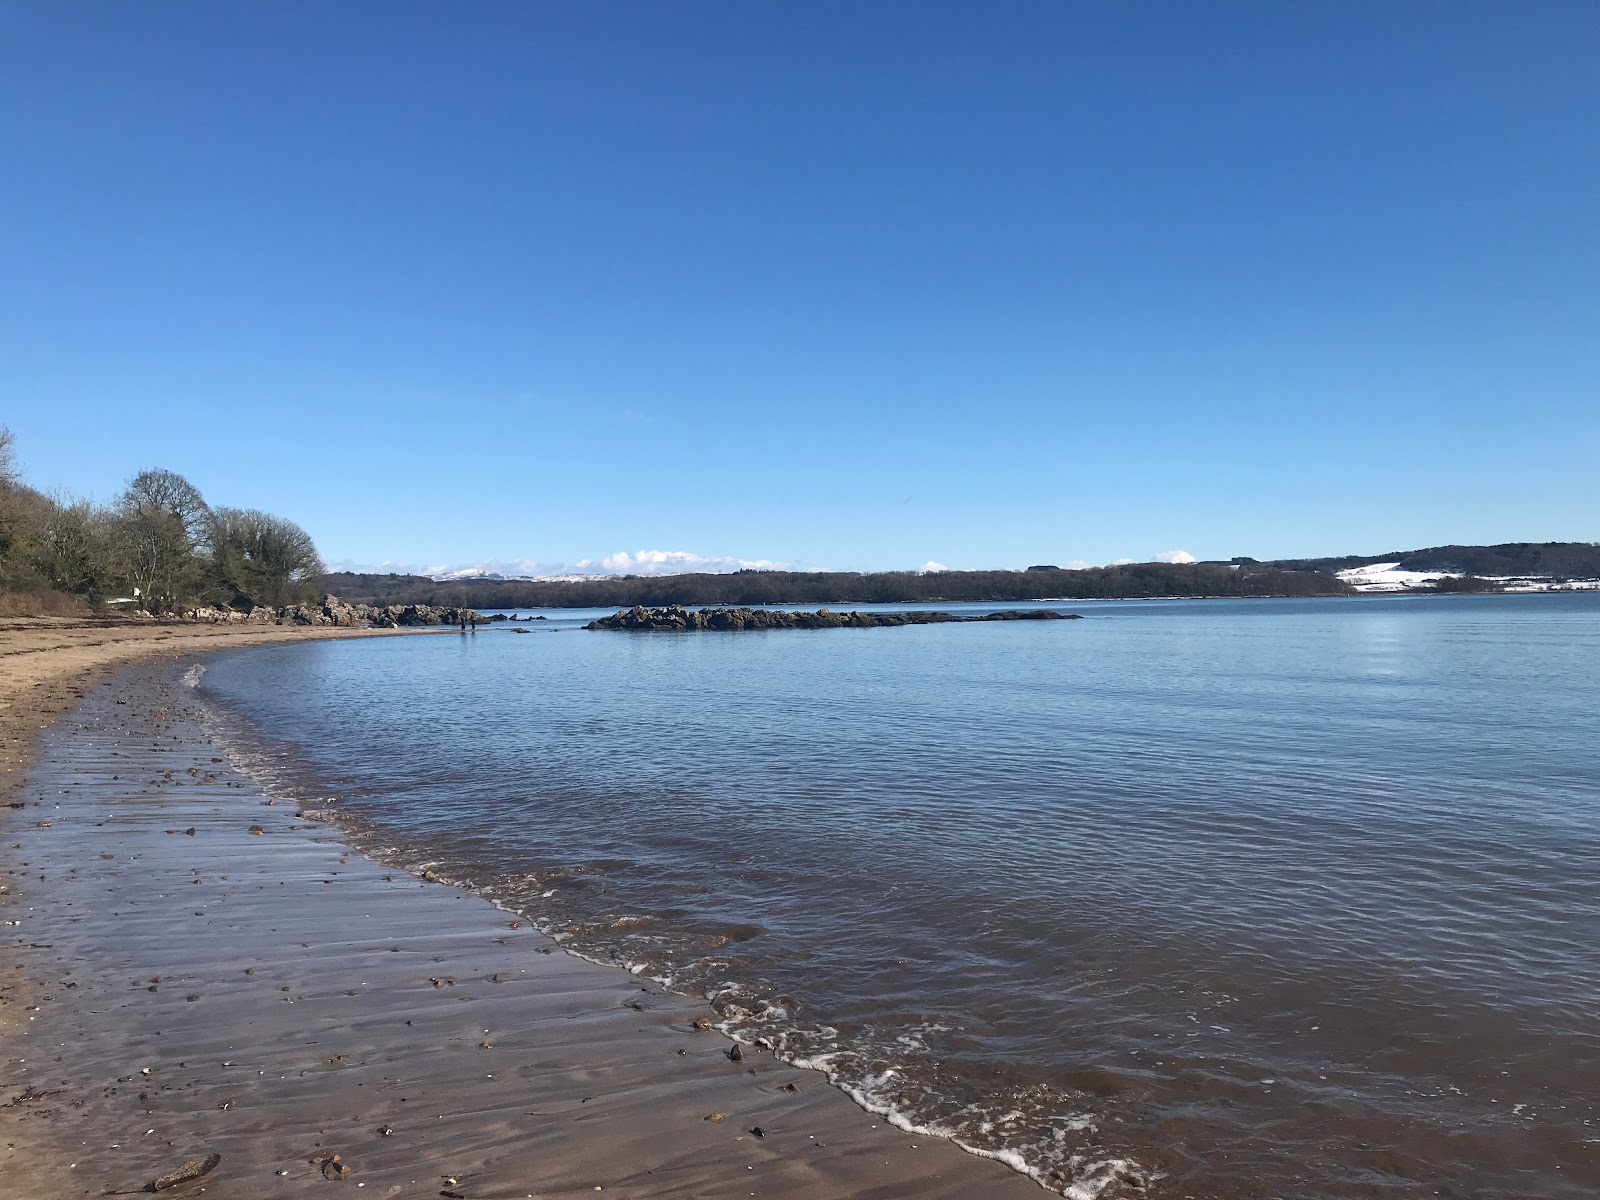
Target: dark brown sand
(276, 998)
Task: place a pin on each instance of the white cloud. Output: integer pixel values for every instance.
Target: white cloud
(931, 566)
(1176, 556)
(638, 562)
(670, 562)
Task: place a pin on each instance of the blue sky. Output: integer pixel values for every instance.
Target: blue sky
(825, 284)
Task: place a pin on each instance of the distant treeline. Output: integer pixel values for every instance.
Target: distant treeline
(158, 547)
(743, 588)
(1560, 560)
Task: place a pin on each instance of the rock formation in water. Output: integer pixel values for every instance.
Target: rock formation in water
(676, 619)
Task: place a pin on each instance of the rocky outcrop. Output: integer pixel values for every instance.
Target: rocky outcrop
(677, 619)
(333, 611)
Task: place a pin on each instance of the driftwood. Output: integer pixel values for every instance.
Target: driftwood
(198, 1166)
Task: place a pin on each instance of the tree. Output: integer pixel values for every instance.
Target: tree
(164, 526)
(75, 551)
(257, 558)
(11, 517)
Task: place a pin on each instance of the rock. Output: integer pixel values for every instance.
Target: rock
(195, 1168)
(736, 1054)
(333, 612)
(674, 618)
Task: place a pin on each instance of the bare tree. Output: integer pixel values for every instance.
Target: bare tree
(76, 550)
(164, 527)
(11, 517)
(261, 559)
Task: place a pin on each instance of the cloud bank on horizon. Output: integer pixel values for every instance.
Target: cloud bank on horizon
(648, 562)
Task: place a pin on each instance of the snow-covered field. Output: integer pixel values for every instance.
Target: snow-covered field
(1388, 577)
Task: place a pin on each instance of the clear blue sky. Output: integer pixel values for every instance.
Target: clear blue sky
(846, 285)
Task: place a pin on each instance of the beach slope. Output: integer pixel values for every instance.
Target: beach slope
(189, 968)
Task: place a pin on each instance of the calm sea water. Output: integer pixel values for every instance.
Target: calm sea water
(1194, 898)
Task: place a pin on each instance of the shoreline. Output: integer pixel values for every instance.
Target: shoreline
(542, 1073)
(48, 664)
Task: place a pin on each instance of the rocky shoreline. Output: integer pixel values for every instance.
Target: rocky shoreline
(334, 612)
(674, 618)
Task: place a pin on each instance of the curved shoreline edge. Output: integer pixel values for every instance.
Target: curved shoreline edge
(537, 1073)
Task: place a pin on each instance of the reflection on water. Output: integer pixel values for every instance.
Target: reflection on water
(1220, 898)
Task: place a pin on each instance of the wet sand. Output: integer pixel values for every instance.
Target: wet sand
(47, 663)
(291, 1000)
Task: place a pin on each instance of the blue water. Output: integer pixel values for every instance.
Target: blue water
(1212, 898)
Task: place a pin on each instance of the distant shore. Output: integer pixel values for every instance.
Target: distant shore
(195, 970)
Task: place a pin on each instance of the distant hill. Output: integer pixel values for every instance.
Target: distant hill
(1557, 560)
(357, 588)
(1133, 581)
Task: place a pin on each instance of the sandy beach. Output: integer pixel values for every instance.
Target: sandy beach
(190, 969)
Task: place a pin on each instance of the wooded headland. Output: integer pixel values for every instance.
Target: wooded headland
(743, 588)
